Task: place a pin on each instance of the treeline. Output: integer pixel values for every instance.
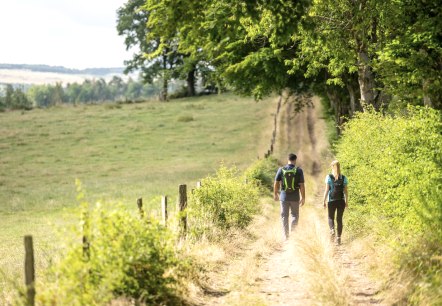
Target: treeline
(353, 53)
(90, 91)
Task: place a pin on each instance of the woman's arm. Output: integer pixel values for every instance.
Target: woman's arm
(346, 195)
(327, 188)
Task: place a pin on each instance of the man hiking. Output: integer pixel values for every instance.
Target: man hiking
(289, 180)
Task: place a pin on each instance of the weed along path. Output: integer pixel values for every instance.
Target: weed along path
(308, 269)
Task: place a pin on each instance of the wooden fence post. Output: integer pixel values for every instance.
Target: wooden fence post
(198, 184)
(164, 209)
(85, 240)
(140, 207)
(29, 271)
(182, 204)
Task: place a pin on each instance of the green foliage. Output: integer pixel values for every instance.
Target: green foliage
(91, 91)
(394, 164)
(128, 256)
(263, 171)
(158, 57)
(223, 202)
(409, 64)
(14, 98)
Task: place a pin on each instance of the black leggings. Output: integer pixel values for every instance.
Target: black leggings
(338, 206)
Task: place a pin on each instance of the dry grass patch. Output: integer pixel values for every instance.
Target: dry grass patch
(322, 273)
(230, 267)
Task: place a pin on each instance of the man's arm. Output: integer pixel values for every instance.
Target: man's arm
(302, 188)
(276, 187)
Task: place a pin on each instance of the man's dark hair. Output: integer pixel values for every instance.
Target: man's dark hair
(292, 157)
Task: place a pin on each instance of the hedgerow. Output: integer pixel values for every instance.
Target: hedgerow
(394, 163)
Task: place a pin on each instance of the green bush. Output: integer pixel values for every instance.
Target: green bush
(263, 171)
(128, 256)
(223, 202)
(394, 164)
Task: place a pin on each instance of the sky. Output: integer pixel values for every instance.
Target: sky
(71, 33)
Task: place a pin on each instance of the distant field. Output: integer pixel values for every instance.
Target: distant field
(21, 76)
(119, 152)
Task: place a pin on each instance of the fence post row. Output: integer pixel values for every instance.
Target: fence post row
(164, 209)
(275, 126)
(29, 271)
(182, 204)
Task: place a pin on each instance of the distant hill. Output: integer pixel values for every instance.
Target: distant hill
(27, 75)
(61, 69)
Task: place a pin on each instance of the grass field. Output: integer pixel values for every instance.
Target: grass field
(120, 153)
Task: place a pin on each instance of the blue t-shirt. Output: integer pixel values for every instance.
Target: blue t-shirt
(299, 178)
(329, 182)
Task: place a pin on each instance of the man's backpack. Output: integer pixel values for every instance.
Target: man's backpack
(338, 188)
(289, 180)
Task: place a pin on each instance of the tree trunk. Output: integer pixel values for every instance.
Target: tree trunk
(339, 104)
(352, 96)
(163, 94)
(334, 101)
(427, 98)
(191, 83)
(366, 81)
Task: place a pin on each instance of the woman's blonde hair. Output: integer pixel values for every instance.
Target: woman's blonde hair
(338, 167)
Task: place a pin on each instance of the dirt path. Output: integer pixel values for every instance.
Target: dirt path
(307, 269)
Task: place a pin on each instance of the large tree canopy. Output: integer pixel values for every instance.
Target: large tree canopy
(356, 53)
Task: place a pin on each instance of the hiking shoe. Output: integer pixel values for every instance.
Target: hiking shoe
(338, 241)
(332, 235)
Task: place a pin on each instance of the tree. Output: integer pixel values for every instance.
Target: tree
(117, 87)
(410, 62)
(238, 39)
(157, 56)
(20, 100)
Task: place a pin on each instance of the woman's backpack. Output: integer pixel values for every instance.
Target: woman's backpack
(338, 188)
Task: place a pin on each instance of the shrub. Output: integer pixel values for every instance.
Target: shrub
(394, 164)
(263, 171)
(128, 256)
(223, 202)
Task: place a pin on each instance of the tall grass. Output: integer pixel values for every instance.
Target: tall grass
(323, 276)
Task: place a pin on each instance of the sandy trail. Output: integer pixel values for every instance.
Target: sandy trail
(286, 275)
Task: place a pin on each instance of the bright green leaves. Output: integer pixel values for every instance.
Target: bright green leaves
(128, 256)
(223, 202)
(394, 165)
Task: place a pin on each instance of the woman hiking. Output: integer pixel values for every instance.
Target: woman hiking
(336, 196)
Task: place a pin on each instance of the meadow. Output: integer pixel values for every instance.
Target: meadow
(119, 152)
